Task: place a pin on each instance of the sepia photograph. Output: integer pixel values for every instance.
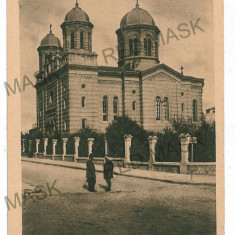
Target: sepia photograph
(118, 117)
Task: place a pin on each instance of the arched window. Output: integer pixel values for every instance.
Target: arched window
(131, 47)
(105, 108)
(89, 41)
(84, 123)
(81, 40)
(149, 47)
(166, 109)
(83, 102)
(115, 107)
(72, 41)
(64, 104)
(158, 108)
(134, 104)
(145, 46)
(135, 46)
(194, 110)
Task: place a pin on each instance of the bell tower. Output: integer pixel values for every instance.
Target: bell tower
(77, 31)
(137, 40)
(49, 52)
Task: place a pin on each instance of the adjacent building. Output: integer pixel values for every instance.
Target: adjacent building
(210, 115)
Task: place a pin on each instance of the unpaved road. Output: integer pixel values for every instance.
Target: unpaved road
(134, 206)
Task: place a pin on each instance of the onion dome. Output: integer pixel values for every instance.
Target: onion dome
(137, 16)
(77, 14)
(50, 40)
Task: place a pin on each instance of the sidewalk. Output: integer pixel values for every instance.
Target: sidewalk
(137, 173)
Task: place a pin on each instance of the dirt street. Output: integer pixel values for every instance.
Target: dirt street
(134, 206)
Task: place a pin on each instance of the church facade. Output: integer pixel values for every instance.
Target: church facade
(73, 92)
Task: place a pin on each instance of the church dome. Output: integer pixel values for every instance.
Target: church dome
(77, 14)
(51, 40)
(137, 16)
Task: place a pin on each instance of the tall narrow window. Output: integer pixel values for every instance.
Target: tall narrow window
(156, 49)
(72, 40)
(51, 97)
(182, 107)
(145, 46)
(158, 108)
(83, 102)
(131, 47)
(64, 104)
(89, 41)
(84, 123)
(194, 110)
(149, 47)
(81, 40)
(65, 126)
(166, 109)
(115, 107)
(134, 105)
(47, 59)
(55, 63)
(53, 125)
(105, 108)
(135, 46)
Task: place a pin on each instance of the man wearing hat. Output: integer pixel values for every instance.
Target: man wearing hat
(108, 172)
(90, 174)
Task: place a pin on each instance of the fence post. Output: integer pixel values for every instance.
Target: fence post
(76, 145)
(184, 141)
(30, 145)
(152, 144)
(37, 144)
(127, 139)
(90, 144)
(106, 146)
(65, 140)
(45, 143)
(192, 141)
(54, 143)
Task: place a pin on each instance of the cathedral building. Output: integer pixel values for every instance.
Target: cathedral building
(74, 92)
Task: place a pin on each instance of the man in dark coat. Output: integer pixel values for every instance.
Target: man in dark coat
(90, 174)
(108, 172)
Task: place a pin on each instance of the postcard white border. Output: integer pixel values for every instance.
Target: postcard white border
(3, 120)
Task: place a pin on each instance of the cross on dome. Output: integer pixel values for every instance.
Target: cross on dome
(137, 3)
(182, 69)
(50, 28)
(76, 3)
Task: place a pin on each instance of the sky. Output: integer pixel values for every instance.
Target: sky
(192, 49)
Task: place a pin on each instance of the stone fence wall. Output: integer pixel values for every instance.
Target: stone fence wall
(182, 167)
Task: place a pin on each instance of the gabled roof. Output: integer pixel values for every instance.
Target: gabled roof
(173, 72)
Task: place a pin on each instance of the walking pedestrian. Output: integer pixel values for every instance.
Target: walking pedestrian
(90, 174)
(108, 172)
